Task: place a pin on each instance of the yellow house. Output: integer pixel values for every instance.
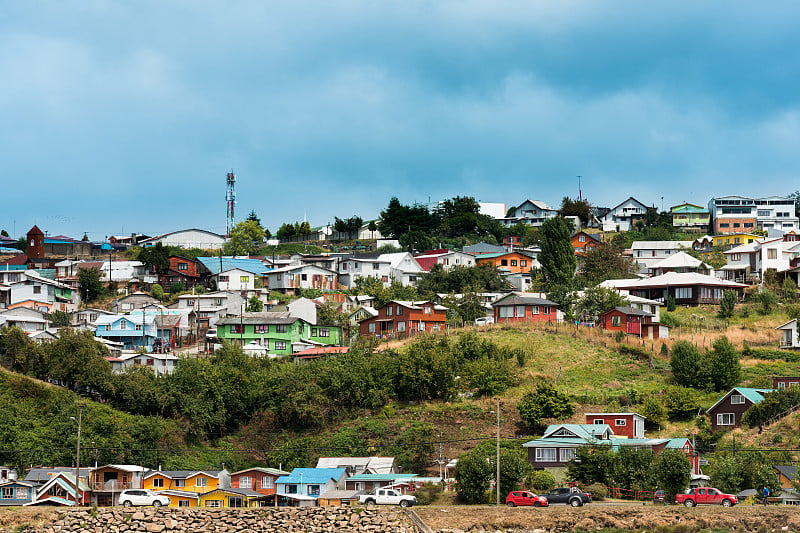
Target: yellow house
(180, 498)
(184, 486)
(726, 241)
(229, 498)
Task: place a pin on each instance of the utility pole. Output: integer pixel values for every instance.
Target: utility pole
(78, 458)
(497, 479)
(580, 194)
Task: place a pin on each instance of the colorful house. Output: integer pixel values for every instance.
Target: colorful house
(629, 425)
(133, 331)
(228, 498)
(582, 242)
(361, 482)
(106, 482)
(690, 217)
(525, 307)
(194, 481)
(60, 490)
(633, 322)
(186, 271)
(278, 333)
(16, 492)
(727, 412)
(404, 319)
(513, 262)
(260, 480)
(307, 484)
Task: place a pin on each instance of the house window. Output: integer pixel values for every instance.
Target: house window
(237, 328)
(389, 310)
(772, 253)
(737, 399)
(291, 489)
(401, 326)
(399, 310)
(138, 327)
(22, 493)
(620, 422)
(599, 421)
(278, 277)
(224, 279)
(213, 503)
(385, 279)
(725, 419)
(313, 490)
(523, 262)
(503, 262)
(37, 289)
(546, 455)
(180, 482)
(683, 293)
(158, 483)
(245, 482)
(748, 225)
(427, 309)
(244, 279)
(616, 321)
(375, 266)
(183, 266)
(266, 482)
(567, 454)
(781, 385)
(183, 503)
(736, 257)
(513, 262)
(200, 482)
(324, 332)
(371, 327)
(313, 332)
(280, 345)
(262, 328)
(123, 324)
(581, 238)
(534, 309)
(280, 328)
(8, 493)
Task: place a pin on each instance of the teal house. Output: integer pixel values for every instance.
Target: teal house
(276, 334)
(690, 217)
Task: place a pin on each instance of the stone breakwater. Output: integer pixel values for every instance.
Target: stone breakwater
(280, 520)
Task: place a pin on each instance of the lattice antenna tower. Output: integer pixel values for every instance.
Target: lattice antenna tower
(230, 199)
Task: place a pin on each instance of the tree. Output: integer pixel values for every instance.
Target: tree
(514, 467)
(59, 319)
(672, 472)
(254, 218)
(725, 371)
(593, 464)
(157, 291)
(545, 402)
(155, 258)
(254, 305)
(671, 304)
(557, 256)
(596, 300)
(766, 299)
(372, 227)
(416, 241)
(728, 304)
(541, 480)
(79, 360)
(579, 208)
(459, 279)
(176, 287)
(398, 219)
(89, 284)
(286, 231)
(17, 351)
(685, 364)
(472, 475)
(245, 238)
(85, 238)
(606, 261)
(4, 233)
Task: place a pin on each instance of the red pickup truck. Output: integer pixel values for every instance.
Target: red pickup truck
(706, 495)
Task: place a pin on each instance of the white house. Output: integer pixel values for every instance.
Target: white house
(403, 267)
(188, 238)
(531, 212)
(353, 268)
(211, 306)
(624, 216)
(789, 336)
(36, 291)
(740, 214)
(235, 279)
(160, 363)
(680, 262)
(750, 261)
(292, 278)
(648, 253)
(447, 258)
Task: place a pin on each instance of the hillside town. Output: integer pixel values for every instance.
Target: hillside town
(156, 303)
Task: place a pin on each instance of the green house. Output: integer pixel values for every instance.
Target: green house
(688, 215)
(277, 333)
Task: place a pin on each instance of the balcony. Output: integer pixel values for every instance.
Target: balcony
(112, 485)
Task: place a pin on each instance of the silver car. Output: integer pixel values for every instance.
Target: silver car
(130, 497)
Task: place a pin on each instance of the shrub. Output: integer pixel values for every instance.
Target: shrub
(728, 304)
(175, 288)
(157, 291)
(541, 481)
(670, 320)
(599, 492)
(671, 304)
(545, 402)
(428, 493)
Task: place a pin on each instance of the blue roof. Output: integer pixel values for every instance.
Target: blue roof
(312, 475)
(253, 266)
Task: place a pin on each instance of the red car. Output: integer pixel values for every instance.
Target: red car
(522, 498)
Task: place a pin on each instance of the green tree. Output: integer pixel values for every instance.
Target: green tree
(728, 304)
(604, 262)
(254, 305)
(557, 256)
(488, 377)
(416, 241)
(541, 480)
(596, 300)
(4, 233)
(579, 208)
(460, 279)
(254, 218)
(545, 402)
(398, 219)
(79, 360)
(725, 371)
(59, 319)
(246, 238)
(672, 470)
(286, 231)
(634, 468)
(671, 306)
(789, 289)
(157, 291)
(593, 464)
(685, 364)
(472, 475)
(514, 468)
(372, 227)
(85, 238)
(89, 284)
(175, 288)
(155, 258)
(17, 351)
(766, 300)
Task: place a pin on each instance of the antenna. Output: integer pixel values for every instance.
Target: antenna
(580, 195)
(230, 198)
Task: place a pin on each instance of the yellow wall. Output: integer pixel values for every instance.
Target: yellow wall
(174, 500)
(212, 483)
(148, 483)
(222, 497)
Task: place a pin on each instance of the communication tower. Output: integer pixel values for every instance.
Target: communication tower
(230, 198)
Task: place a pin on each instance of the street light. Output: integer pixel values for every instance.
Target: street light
(497, 479)
(78, 457)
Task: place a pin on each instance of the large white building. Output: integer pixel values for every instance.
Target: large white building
(740, 214)
(188, 238)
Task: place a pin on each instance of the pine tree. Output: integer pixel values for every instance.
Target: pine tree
(557, 257)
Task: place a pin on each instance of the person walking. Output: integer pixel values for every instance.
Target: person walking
(765, 492)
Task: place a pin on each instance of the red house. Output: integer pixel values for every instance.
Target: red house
(260, 480)
(629, 425)
(524, 307)
(633, 322)
(582, 242)
(402, 319)
(182, 270)
(785, 382)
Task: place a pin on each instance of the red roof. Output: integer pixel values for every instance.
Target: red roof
(19, 259)
(426, 262)
(322, 350)
(35, 231)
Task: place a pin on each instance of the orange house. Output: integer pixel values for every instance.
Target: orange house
(582, 242)
(404, 319)
(513, 262)
(260, 480)
(194, 481)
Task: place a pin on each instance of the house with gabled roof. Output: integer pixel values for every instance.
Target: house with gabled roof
(60, 490)
(305, 485)
(278, 333)
(509, 262)
(680, 262)
(531, 212)
(789, 338)
(196, 481)
(624, 216)
(294, 278)
(106, 482)
(258, 479)
(687, 288)
(525, 307)
(17, 492)
(400, 318)
(632, 321)
(187, 238)
(727, 412)
(690, 217)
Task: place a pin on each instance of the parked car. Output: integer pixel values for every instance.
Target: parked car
(387, 497)
(131, 497)
(484, 320)
(568, 495)
(706, 495)
(521, 498)
(660, 496)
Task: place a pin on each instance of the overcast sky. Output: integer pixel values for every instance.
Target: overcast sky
(122, 117)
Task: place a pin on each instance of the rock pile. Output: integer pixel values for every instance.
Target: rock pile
(277, 520)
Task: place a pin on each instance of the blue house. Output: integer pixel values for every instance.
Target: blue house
(17, 492)
(133, 331)
(304, 485)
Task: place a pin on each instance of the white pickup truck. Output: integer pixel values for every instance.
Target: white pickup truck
(387, 497)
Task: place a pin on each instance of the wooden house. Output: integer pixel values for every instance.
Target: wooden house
(510, 262)
(60, 490)
(632, 321)
(17, 492)
(582, 242)
(228, 498)
(525, 307)
(629, 425)
(106, 482)
(789, 336)
(785, 382)
(727, 412)
(260, 480)
(404, 319)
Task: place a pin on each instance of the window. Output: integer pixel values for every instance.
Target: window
(772, 253)
(183, 266)
(262, 328)
(8, 493)
(581, 238)
(737, 399)
(534, 309)
(237, 328)
(291, 489)
(280, 328)
(324, 332)
(399, 311)
(523, 262)
(37, 289)
(280, 345)
(138, 327)
(213, 503)
(567, 454)
(123, 324)
(519, 311)
(748, 225)
(22, 493)
(225, 279)
(401, 326)
(389, 310)
(724, 225)
(313, 332)
(266, 482)
(736, 257)
(781, 385)
(620, 422)
(158, 483)
(385, 279)
(683, 293)
(504, 262)
(546, 455)
(427, 309)
(513, 262)
(245, 482)
(599, 421)
(200, 482)
(725, 419)
(616, 321)
(313, 490)
(183, 503)
(180, 482)
(189, 303)
(244, 279)
(371, 327)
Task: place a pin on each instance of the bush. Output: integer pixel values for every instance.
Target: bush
(671, 320)
(728, 304)
(599, 492)
(671, 304)
(175, 288)
(428, 493)
(545, 402)
(157, 291)
(541, 481)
